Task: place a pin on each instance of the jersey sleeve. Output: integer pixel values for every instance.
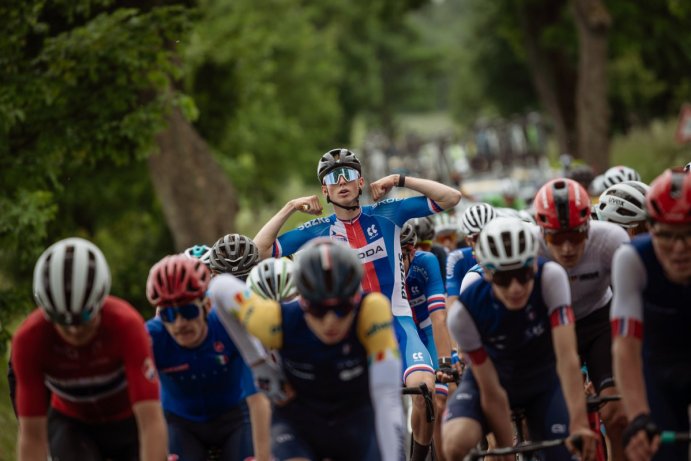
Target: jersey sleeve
(140, 368)
(375, 328)
(470, 277)
(290, 242)
(434, 288)
(453, 273)
(614, 237)
(32, 395)
(628, 282)
(556, 294)
(464, 331)
(401, 210)
(262, 318)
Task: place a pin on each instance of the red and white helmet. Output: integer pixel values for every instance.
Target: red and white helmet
(177, 279)
(669, 199)
(561, 204)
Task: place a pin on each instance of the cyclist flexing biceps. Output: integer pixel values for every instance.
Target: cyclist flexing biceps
(373, 231)
(339, 355)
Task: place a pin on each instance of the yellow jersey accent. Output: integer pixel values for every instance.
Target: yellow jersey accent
(262, 319)
(375, 327)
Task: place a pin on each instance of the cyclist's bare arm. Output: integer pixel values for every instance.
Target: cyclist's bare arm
(441, 334)
(33, 439)
(153, 436)
(444, 196)
(268, 233)
(628, 366)
(260, 417)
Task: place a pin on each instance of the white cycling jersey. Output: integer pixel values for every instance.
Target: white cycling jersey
(590, 279)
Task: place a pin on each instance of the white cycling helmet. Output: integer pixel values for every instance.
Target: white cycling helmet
(687, 168)
(618, 174)
(597, 186)
(200, 252)
(506, 244)
(71, 281)
(475, 217)
(623, 204)
(444, 223)
(273, 278)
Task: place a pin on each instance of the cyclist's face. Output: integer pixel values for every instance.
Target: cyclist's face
(567, 253)
(672, 245)
(79, 335)
(330, 329)
(344, 191)
(448, 240)
(514, 296)
(189, 332)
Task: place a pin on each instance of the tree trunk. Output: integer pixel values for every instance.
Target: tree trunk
(198, 200)
(593, 23)
(553, 78)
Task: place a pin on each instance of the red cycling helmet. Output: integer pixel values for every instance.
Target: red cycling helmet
(177, 279)
(669, 198)
(562, 204)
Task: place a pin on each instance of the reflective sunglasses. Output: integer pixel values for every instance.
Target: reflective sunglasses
(504, 278)
(188, 312)
(668, 238)
(68, 319)
(349, 174)
(320, 311)
(574, 236)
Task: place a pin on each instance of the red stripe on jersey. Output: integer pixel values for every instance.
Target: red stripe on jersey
(478, 356)
(434, 206)
(562, 316)
(357, 239)
(627, 327)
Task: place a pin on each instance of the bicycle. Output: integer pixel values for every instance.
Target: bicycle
(524, 448)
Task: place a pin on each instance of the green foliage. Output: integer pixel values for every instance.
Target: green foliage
(83, 86)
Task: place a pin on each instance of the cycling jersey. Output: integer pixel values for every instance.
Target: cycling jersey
(204, 382)
(458, 263)
(375, 234)
(590, 278)
(98, 382)
(514, 338)
(650, 307)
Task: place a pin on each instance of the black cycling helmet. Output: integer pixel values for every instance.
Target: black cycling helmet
(424, 228)
(408, 236)
(234, 254)
(327, 273)
(335, 158)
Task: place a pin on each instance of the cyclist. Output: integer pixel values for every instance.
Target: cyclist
(424, 231)
(427, 301)
(92, 351)
(235, 254)
(446, 231)
(273, 278)
(339, 355)
(374, 232)
(624, 204)
(460, 261)
(204, 381)
(651, 321)
(516, 326)
(584, 248)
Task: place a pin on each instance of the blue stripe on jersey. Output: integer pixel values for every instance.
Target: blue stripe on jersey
(457, 264)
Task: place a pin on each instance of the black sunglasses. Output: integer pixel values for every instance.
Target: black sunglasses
(504, 278)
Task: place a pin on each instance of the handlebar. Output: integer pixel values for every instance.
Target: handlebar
(595, 402)
(527, 447)
(426, 394)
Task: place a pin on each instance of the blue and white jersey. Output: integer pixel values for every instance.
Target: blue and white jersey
(375, 234)
(457, 264)
(425, 288)
(201, 383)
(518, 341)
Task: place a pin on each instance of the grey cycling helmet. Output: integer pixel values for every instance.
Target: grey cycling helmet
(475, 217)
(328, 273)
(335, 158)
(424, 228)
(273, 278)
(234, 254)
(71, 281)
(408, 236)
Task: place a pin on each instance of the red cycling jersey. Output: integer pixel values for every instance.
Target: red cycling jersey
(97, 382)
